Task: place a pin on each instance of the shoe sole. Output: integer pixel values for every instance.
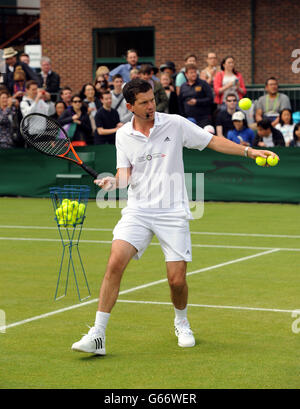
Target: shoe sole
(89, 352)
(186, 346)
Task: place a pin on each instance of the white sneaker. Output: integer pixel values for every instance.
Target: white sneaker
(93, 342)
(184, 333)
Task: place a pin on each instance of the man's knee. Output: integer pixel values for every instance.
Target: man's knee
(177, 275)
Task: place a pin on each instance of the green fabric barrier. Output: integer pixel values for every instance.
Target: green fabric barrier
(25, 172)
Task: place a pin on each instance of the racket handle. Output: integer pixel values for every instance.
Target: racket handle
(89, 170)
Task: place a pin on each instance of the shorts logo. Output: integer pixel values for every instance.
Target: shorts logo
(150, 157)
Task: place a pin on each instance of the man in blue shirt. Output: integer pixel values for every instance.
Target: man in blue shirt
(124, 69)
(241, 134)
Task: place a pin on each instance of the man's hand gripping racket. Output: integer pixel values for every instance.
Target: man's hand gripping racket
(47, 136)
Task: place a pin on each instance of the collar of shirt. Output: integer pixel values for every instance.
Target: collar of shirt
(157, 122)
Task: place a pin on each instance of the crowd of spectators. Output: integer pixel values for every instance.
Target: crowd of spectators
(207, 95)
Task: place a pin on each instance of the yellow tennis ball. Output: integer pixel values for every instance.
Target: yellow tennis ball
(59, 213)
(81, 209)
(65, 201)
(260, 161)
(245, 104)
(272, 161)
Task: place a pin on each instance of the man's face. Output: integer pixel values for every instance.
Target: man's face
(132, 58)
(117, 83)
(107, 100)
(231, 102)
(263, 132)
(66, 96)
(46, 67)
(212, 59)
(191, 75)
(145, 76)
(272, 87)
(191, 60)
(11, 61)
(144, 105)
(32, 91)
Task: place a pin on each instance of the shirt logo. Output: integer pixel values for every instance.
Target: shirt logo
(167, 139)
(149, 157)
(198, 88)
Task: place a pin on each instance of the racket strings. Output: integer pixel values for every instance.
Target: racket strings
(45, 135)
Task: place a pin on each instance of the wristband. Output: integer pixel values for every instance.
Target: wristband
(246, 152)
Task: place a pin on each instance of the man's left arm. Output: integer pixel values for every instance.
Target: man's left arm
(223, 145)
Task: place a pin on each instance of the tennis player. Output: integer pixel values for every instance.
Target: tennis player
(149, 159)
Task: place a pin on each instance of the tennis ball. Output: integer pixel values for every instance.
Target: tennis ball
(245, 104)
(65, 201)
(74, 204)
(59, 213)
(272, 161)
(260, 161)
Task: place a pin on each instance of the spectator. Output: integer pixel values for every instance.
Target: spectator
(36, 100)
(48, 79)
(195, 98)
(134, 73)
(118, 100)
(92, 102)
(180, 77)
(269, 105)
(267, 135)
(296, 136)
(107, 121)
(60, 107)
(7, 113)
(9, 54)
(166, 82)
(208, 73)
(160, 95)
(76, 122)
(124, 69)
(65, 95)
(241, 134)
(101, 85)
(286, 125)
(169, 68)
(228, 80)
(224, 117)
(25, 58)
(19, 83)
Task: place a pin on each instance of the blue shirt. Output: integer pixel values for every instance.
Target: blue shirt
(246, 134)
(124, 70)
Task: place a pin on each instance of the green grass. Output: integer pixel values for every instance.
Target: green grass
(236, 348)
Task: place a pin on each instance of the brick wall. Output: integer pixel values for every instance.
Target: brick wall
(180, 26)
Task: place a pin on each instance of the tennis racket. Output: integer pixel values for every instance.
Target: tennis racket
(47, 136)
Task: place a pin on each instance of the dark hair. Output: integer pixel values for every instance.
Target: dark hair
(271, 78)
(105, 92)
(60, 102)
(117, 76)
(264, 124)
(280, 116)
(82, 92)
(231, 94)
(223, 63)
(66, 88)
(76, 96)
(189, 55)
(296, 127)
(134, 87)
(145, 69)
(190, 67)
(29, 83)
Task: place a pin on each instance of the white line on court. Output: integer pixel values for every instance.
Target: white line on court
(221, 246)
(204, 233)
(72, 307)
(223, 307)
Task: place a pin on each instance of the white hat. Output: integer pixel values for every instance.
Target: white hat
(210, 129)
(238, 116)
(9, 52)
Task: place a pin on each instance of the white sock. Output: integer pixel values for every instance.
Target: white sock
(180, 314)
(101, 321)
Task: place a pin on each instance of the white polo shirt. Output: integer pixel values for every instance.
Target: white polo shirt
(157, 170)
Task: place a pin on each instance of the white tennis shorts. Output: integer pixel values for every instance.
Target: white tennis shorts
(172, 231)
